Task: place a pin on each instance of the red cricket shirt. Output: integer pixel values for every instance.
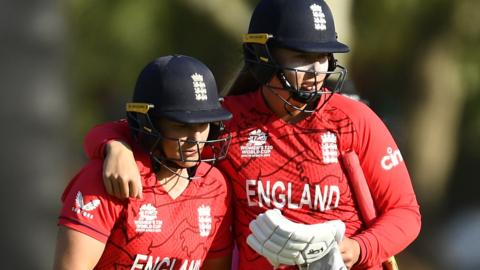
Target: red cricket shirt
(157, 232)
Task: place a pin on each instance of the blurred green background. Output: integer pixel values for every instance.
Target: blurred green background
(68, 65)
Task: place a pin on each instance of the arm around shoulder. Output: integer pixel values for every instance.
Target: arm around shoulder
(111, 142)
(96, 139)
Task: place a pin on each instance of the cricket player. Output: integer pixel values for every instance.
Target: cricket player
(290, 130)
(184, 218)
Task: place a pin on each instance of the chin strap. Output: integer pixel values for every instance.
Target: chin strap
(297, 94)
(172, 167)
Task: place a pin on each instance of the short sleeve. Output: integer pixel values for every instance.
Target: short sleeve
(87, 207)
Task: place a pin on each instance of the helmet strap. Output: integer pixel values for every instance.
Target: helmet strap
(173, 167)
(297, 95)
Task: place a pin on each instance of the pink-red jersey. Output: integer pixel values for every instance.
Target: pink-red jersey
(297, 168)
(156, 232)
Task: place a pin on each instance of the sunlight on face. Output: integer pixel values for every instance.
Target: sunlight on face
(310, 68)
(183, 141)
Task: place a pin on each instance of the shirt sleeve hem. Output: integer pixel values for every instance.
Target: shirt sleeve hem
(85, 229)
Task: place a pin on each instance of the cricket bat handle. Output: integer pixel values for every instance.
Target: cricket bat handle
(362, 194)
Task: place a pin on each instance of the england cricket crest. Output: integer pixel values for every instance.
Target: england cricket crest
(204, 220)
(199, 87)
(318, 17)
(329, 148)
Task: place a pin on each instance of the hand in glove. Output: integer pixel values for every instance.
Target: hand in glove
(282, 241)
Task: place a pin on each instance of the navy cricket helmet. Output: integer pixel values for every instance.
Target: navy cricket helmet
(181, 89)
(305, 26)
(299, 25)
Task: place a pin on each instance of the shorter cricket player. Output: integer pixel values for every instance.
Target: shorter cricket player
(183, 220)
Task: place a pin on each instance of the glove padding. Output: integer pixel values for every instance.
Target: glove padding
(282, 241)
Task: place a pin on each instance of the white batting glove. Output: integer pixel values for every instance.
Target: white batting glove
(282, 241)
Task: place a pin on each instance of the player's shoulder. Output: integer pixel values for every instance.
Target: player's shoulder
(88, 179)
(143, 160)
(90, 171)
(351, 107)
(347, 103)
(247, 109)
(211, 175)
(240, 102)
(209, 171)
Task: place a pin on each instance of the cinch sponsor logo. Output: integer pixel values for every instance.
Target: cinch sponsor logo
(146, 262)
(269, 193)
(391, 159)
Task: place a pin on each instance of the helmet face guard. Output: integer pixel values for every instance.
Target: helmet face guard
(264, 67)
(332, 83)
(150, 137)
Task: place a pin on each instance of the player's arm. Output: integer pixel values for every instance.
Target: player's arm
(76, 251)
(398, 217)
(120, 173)
(97, 137)
(86, 220)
